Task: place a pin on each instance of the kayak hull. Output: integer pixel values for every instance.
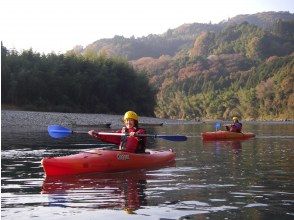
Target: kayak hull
(225, 135)
(105, 161)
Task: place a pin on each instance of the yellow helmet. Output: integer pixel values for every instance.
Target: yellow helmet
(131, 115)
(235, 118)
(129, 211)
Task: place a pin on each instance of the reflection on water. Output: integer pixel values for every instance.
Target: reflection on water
(250, 179)
(108, 191)
(235, 145)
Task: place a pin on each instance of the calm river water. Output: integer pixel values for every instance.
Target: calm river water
(252, 179)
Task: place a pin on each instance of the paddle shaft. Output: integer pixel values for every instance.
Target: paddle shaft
(137, 135)
(57, 131)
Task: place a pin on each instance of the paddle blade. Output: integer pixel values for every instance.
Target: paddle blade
(217, 125)
(57, 131)
(173, 137)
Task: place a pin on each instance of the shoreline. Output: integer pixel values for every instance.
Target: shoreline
(19, 120)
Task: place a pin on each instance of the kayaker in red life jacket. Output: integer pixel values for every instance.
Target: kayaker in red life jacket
(130, 143)
(235, 127)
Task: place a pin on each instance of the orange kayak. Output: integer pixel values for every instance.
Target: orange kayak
(225, 135)
(105, 161)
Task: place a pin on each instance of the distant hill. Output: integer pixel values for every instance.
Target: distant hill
(174, 40)
(263, 20)
(241, 70)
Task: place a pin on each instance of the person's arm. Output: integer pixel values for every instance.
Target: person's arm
(142, 141)
(141, 131)
(228, 126)
(105, 138)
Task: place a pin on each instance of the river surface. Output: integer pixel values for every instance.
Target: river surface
(252, 179)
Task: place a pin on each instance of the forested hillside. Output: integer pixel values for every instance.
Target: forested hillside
(263, 20)
(93, 84)
(241, 70)
(174, 40)
(222, 86)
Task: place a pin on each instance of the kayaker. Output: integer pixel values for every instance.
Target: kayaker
(130, 142)
(236, 126)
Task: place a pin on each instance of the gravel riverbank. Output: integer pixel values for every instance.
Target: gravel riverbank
(18, 121)
(38, 121)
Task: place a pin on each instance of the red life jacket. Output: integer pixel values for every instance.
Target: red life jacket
(129, 144)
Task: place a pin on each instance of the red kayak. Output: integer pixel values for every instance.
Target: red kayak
(225, 135)
(105, 161)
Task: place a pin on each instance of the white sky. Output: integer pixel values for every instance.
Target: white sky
(59, 25)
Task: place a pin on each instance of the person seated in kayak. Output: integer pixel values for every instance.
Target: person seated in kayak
(235, 127)
(129, 143)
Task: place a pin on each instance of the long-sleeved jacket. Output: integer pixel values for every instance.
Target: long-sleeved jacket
(131, 144)
(236, 127)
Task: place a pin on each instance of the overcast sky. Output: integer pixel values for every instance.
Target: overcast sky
(58, 25)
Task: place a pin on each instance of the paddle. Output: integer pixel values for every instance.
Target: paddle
(57, 131)
(217, 125)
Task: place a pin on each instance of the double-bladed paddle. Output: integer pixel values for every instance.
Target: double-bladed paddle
(57, 131)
